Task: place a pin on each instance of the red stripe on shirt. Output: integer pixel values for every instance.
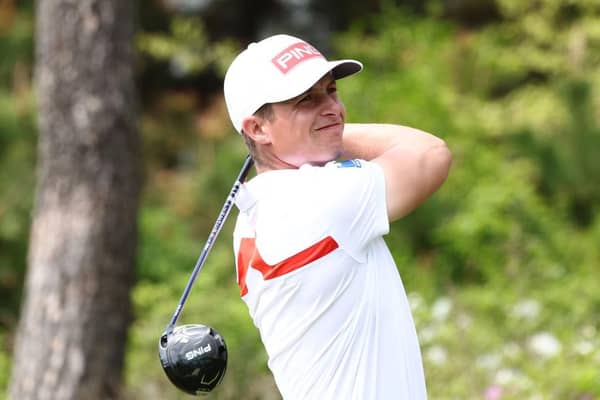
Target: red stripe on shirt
(248, 256)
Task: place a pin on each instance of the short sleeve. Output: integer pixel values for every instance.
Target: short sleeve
(353, 195)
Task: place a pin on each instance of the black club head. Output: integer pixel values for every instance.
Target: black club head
(194, 357)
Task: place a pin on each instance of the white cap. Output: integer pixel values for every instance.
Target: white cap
(275, 69)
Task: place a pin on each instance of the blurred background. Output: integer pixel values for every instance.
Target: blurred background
(502, 265)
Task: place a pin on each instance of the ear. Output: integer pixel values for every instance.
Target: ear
(253, 127)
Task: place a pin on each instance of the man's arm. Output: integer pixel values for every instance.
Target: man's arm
(415, 163)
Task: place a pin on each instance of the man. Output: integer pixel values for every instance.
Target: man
(318, 279)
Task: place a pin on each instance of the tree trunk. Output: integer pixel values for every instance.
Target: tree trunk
(72, 333)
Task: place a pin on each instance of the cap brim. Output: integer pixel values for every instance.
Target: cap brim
(344, 68)
(340, 69)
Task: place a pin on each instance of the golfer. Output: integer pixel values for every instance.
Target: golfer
(319, 281)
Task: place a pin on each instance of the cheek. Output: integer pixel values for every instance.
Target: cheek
(342, 110)
(284, 137)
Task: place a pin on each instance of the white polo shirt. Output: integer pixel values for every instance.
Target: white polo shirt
(322, 287)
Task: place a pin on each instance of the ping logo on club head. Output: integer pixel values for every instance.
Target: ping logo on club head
(294, 55)
(190, 355)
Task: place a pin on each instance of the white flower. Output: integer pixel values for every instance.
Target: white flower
(441, 308)
(506, 376)
(416, 301)
(426, 334)
(489, 362)
(526, 309)
(545, 345)
(437, 355)
(584, 347)
(464, 321)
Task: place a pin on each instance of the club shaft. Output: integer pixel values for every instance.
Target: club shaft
(211, 240)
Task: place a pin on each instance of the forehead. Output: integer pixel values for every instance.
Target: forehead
(324, 82)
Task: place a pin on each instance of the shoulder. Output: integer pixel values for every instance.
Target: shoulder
(318, 187)
(352, 170)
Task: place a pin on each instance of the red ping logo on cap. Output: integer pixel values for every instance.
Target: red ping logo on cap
(294, 55)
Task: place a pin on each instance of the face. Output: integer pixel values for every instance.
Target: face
(309, 127)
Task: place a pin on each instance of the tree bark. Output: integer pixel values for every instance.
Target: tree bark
(71, 337)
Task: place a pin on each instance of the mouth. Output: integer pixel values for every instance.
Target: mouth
(330, 126)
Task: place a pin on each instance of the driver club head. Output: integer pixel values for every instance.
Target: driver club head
(194, 358)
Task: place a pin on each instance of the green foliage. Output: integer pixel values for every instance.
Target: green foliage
(5, 367)
(514, 226)
(17, 159)
(187, 47)
(500, 264)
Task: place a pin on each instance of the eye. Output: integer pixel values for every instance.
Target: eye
(332, 89)
(306, 98)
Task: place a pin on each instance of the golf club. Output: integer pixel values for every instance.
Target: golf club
(194, 357)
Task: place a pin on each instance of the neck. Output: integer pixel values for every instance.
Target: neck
(270, 162)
